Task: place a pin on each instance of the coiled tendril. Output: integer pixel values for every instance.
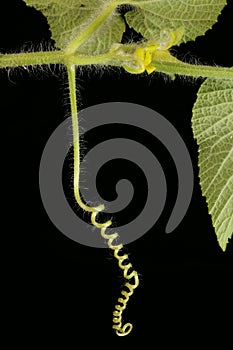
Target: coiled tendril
(121, 329)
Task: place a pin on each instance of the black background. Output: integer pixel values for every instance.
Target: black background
(61, 290)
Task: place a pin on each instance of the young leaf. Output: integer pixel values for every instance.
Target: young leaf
(68, 19)
(196, 17)
(212, 125)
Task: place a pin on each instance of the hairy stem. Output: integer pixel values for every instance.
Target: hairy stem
(193, 70)
(82, 60)
(50, 57)
(59, 57)
(31, 58)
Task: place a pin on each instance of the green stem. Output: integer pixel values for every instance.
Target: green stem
(193, 70)
(53, 57)
(89, 30)
(31, 58)
(81, 60)
(60, 57)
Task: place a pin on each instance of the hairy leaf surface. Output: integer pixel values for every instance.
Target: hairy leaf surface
(68, 19)
(150, 17)
(212, 125)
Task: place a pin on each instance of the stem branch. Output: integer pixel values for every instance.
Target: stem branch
(194, 70)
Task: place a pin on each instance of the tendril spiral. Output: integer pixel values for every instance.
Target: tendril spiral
(121, 330)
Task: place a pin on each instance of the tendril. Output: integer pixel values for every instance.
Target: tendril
(121, 329)
(125, 266)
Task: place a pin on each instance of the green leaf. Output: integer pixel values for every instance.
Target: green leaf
(110, 33)
(212, 125)
(69, 18)
(150, 17)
